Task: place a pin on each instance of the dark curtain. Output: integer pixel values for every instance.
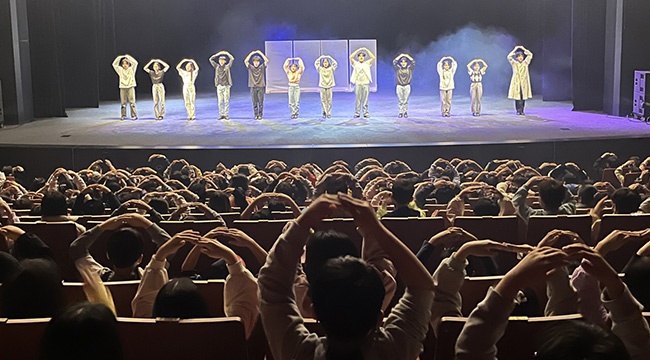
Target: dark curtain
(557, 51)
(588, 54)
(45, 53)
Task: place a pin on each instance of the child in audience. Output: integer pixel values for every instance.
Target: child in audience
(347, 295)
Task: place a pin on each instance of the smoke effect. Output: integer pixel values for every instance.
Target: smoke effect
(464, 45)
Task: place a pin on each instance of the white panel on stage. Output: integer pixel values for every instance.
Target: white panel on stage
(372, 46)
(309, 51)
(277, 52)
(338, 49)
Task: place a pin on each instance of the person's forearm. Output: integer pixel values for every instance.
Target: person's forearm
(79, 247)
(191, 259)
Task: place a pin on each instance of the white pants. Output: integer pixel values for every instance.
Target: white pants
(223, 96)
(158, 91)
(326, 100)
(294, 98)
(403, 92)
(476, 92)
(128, 95)
(361, 95)
(445, 100)
(189, 94)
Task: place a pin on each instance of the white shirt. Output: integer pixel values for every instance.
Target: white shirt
(361, 74)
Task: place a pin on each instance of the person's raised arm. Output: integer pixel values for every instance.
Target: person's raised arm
(179, 69)
(371, 56)
(116, 63)
(146, 67)
(354, 55)
(165, 66)
(413, 273)
(285, 66)
(301, 65)
(213, 60)
(317, 61)
(454, 64)
(485, 65)
(239, 238)
(247, 59)
(132, 61)
(266, 60)
(529, 55)
(196, 66)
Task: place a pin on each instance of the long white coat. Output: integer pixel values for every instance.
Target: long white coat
(520, 82)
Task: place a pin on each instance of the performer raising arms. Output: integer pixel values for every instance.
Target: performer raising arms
(256, 80)
(188, 69)
(446, 70)
(325, 65)
(157, 88)
(125, 66)
(403, 65)
(294, 67)
(361, 78)
(520, 91)
(222, 62)
(476, 69)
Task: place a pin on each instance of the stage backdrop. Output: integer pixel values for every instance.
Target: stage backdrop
(90, 33)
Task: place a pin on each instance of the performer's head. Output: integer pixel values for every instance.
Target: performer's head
(519, 55)
(293, 67)
(189, 66)
(446, 65)
(403, 62)
(222, 60)
(256, 61)
(326, 62)
(476, 66)
(361, 57)
(156, 66)
(125, 63)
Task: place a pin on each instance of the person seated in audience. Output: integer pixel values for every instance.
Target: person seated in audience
(219, 201)
(347, 295)
(54, 209)
(629, 337)
(442, 169)
(179, 298)
(82, 331)
(9, 266)
(142, 208)
(607, 160)
(491, 202)
(554, 198)
(570, 174)
(7, 213)
(588, 196)
(183, 212)
(630, 166)
(269, 200)
(637, 271)
(624, 201)
(124, 247)
(35, 290)
(240, 196)
(402, 198)
(93, 199)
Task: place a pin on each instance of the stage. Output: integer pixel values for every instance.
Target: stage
(498, 123)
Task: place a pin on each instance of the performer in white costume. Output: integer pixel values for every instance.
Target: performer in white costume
(125, 67)
(326, 65)
(188, 69)
(520, 90)
(446, 70)
(361, 78)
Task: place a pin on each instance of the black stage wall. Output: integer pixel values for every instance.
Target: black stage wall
(635, 52)
(88, 34)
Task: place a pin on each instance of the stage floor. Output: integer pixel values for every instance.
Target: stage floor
(101, 127)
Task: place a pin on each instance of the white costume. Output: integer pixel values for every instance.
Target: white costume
(446, 83)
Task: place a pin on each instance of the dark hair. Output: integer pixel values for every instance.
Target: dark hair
(347, 296)
(239, 181)
(220, 202)
(124, 247)
(160, 205)
(30, 246)
(323, 246)
(587, 195)
(445, 194)
(396, 167)
(9, 266)
(53, 203)
(22, 202)
(578, 340)
(286, 188)
(180, 298)
(365, 162)
(552, 193)
(626, 201)
(402, 192)
(35, 291)
(82, 331)
(199, 189)
(636, 273)
(93, 207)
(486, 207)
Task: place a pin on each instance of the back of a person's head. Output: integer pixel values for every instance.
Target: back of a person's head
(626, 201)
(366, 162)
(636, 278)
(578, 340)
(323, 246)
(199, 189)
(486, 207)
(53, 203)
(347, 296)
(286, 188)
(552, 193)
(396, 167)
(82, 331)
(335, 186)
(160, 205)
(36, 290)
(587, 195)
(30, 246)
(445, 194)
(220, 202)
(124, 247)
(22, 203)
(402, 192)
(180, 298)
(93, 207)
(9, 266)
(239, 181)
